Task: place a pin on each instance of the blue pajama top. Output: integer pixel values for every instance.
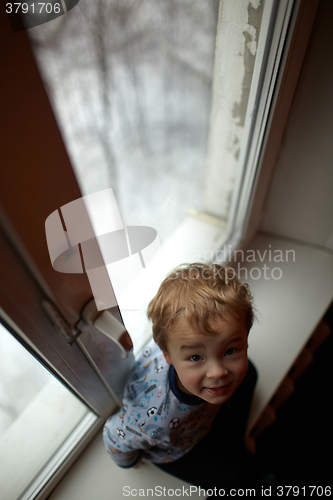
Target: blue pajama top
(157, 421)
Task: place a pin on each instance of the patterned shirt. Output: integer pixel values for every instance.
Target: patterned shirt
(157, 420)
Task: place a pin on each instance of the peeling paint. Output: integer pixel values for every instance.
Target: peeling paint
(252, 44)
(251, 36)
(236, 49)
(255, 14)
(255, 3)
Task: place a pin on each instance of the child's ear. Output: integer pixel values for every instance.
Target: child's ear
(167, 358)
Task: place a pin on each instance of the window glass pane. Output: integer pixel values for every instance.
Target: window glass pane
(131, 85)
(152, 101)
(37, 415)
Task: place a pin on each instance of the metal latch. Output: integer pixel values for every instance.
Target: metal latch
(59, 321)
(105, 322)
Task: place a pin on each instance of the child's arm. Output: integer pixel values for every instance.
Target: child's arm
(123, 441)
(123, 434)
(125, 460)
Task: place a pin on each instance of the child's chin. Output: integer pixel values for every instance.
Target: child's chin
(218, 398)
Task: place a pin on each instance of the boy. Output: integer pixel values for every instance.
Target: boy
(190, 394)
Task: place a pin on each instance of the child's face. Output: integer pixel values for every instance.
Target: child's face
(209, 366)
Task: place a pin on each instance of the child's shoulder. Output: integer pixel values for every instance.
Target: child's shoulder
(150, 359)
(150, 353)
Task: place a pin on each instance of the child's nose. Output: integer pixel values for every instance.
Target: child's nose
(216, 370)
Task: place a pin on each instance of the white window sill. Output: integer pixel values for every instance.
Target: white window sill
(95, 475)
(289, 310)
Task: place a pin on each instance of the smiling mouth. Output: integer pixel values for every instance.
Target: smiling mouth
(218, 391)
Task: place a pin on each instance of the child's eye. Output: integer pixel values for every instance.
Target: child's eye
(230, 351)
(196, 357)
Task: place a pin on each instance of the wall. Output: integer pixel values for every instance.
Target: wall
(299, 204)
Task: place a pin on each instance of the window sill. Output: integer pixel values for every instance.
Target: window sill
(95, 475)
(288, 312)
(289, 309)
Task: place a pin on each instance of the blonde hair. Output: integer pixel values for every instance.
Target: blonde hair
(199, 294)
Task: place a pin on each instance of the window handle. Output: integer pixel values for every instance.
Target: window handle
(106, 323)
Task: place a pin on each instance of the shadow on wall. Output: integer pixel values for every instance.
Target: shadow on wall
(298, 445)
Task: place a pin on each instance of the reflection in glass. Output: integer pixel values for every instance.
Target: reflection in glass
(37, 415)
